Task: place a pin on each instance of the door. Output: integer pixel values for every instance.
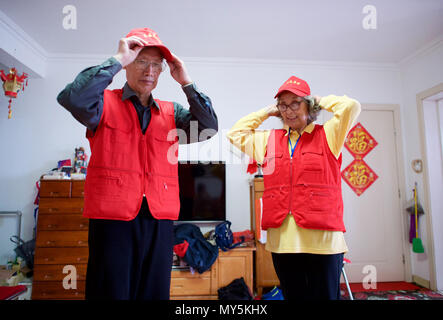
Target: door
(374, 219)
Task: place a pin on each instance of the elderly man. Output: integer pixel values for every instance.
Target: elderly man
(131, 189)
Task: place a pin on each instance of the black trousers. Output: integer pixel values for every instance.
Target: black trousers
(130, 260)
(305, 276)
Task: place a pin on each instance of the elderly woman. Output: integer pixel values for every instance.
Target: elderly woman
(302, 200)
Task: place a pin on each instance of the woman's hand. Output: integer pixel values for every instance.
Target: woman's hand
(317, 99)
(273, 110)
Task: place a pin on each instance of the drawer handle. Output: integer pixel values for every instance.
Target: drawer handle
(50, 226)
(50, 242)
(80, 242)
(54, 193)
(82, 225)
(53, 209)
(47, 276)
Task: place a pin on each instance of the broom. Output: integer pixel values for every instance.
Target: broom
(417, 245)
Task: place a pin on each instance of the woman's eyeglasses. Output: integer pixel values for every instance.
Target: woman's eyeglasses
(294, 106)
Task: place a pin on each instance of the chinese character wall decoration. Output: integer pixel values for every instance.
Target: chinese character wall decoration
(358, 175)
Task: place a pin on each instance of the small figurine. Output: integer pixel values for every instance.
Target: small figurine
(80, 159)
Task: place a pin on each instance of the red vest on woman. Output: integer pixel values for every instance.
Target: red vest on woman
(308, 186)
(127, 165)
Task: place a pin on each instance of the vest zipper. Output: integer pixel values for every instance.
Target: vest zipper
(290, 177)
(290, 189)
(145, 149)
(144, 163)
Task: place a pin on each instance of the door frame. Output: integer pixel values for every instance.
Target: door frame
(427, 201)
(399, 154)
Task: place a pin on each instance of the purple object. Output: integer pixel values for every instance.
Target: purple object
(412, 228)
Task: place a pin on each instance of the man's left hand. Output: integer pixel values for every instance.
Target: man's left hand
(178, 71)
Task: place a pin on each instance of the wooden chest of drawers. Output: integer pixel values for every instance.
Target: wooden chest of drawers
(62, 239)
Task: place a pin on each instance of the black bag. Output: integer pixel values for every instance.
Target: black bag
(224, 236)
(25, 250)
(236, 290)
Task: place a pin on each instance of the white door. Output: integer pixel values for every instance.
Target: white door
(373, 219)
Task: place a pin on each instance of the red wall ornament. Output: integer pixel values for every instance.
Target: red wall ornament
(358, 175)
(359, 142)
(12, 83)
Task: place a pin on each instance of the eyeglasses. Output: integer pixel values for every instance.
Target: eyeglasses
(294, 106)
(143, 65)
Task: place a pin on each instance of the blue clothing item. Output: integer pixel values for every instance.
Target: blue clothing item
(200, 254)
(274, 294)
(224, 236)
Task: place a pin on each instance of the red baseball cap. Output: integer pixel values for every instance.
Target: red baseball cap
(295, 85)
(151, 39)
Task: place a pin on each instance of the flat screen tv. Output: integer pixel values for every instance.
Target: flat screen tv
(202, 191)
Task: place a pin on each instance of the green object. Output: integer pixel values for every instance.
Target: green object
(417, 245)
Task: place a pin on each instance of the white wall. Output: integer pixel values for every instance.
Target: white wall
(418, 74)
(41, 132)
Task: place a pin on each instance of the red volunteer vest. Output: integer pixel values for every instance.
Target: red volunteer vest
(308, 186)
(125, 164)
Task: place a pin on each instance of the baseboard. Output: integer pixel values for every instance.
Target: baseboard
(421, 282)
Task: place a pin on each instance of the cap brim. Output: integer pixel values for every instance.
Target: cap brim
(294, 91)
(165, 51)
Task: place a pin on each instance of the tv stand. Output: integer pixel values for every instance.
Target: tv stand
(230, 265)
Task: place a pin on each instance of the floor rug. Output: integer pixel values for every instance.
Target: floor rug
(383, 286)
(390, 291)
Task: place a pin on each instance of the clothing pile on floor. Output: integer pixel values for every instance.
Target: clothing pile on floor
(200, 251)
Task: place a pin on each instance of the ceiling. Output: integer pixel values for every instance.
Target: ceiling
(281, 29)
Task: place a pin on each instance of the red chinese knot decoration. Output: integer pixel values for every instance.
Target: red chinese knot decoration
(12, 83)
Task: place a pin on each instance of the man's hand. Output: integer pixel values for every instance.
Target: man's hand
(178, 71)
(128, 49)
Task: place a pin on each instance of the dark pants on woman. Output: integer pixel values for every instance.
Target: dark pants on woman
(130, 260)
(305, 276)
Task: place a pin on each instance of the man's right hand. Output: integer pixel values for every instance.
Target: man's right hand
(128, 49)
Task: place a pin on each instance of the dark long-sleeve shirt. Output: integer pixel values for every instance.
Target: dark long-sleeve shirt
(84, 99)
